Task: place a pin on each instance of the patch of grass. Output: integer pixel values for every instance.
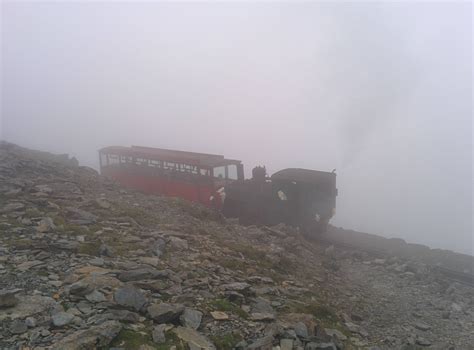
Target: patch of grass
(196, 210)
(75, 230)
(284, 265)
(171, 340)
(281, 265)
(247, 251)
(59, 221)
(226, 341)
(89, 248)
(132, 340)
(226, 305)
(319, 311)
(324, 314)
(19, 243)
(32, 213)
(140, 215)
(233, 264)
(42, 273)
(123, 249)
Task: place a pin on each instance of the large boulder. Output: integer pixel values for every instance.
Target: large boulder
(191, 318)
(194, 339)
(130, 297)
(29, 305)
(165, 313)
(92, 338)
(61, 319)
(142, 274)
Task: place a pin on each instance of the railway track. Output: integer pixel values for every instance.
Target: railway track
(453, 275)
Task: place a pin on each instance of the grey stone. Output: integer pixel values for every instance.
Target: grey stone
(25, 266)
(45, 332)
(92, 338)
(191, 318)
(30, 322)
(264, 343)
(286, 344)
(335, 333)
(61, 319)
(422, 326)
(158, 334)
(123, 315)
(81, 288)
(236, 286)
(97, 262)
(262, 316)
(301, 330)
(159, 247)
(165, 313)
(141, 274)
(81, 215)
(194, 339)
(456, 307)
(29, 305)
(262, 306)
(106, 250)
(18, 327)
(422, 341)
(8, 298)
(95, 297)
(320, 346)
(46, 225)
(129, 296)
(178, 243)
(241, 345)
(12, 206)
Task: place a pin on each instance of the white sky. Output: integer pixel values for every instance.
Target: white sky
(380, 91)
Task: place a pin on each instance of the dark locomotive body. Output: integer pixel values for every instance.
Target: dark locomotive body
(297, 197)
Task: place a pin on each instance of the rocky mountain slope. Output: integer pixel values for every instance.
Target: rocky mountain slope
(86, 264)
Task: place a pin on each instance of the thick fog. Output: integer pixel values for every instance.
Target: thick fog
(381, 92)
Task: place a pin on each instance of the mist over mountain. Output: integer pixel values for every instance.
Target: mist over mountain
(381, 92)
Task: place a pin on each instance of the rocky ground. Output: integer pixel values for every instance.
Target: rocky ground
(86, 264)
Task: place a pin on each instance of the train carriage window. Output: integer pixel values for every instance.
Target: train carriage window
(125, 159)
(232, 172)
(170, 166)
(113, 159)
(188, 168)
(219, 172)
(141, 162)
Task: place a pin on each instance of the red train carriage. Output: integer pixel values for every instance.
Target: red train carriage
(189, 175)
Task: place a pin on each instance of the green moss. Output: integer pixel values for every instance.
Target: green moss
(89, 248)
(32, 213)
(131, 340)
(75, 230)
(171, 340)
(233, 264)
(195, 210)
(59, 221)
(226, 341)
(247, 250)
(140, 215)
(319, 311)
(19, 243)
(42, 272)
(226, 305)
(123, 249)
